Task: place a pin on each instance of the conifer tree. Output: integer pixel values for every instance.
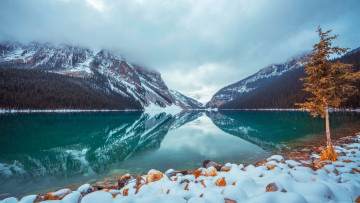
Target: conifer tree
(330, 83)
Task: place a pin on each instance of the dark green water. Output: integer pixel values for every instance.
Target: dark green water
(45, 151)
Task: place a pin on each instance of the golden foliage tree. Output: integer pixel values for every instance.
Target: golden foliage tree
(330, 83)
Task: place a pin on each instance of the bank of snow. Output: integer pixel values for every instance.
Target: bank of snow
(276, 180)
(154, 109)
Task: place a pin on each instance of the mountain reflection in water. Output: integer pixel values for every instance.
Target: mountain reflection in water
(45, 150)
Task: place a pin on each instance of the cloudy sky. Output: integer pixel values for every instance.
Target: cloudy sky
(197, 46)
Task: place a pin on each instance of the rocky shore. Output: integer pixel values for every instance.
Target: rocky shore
(294, 176)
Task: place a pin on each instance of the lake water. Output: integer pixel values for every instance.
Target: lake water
(47, 151)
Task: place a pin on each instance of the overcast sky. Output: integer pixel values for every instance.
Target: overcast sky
(199, 46)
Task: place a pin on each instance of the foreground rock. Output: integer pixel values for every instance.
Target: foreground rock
(153, 175)
(209, 163)
(58, 195)
(124, 180)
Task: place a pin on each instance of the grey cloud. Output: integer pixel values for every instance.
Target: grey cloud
(205, 44)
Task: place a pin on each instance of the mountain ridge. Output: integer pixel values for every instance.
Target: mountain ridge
(252, 82)
(118, 76)
(273, 89)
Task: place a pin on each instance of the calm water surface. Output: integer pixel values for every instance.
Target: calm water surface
(46, 151)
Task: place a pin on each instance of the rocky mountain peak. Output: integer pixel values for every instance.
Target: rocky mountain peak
(118, 75)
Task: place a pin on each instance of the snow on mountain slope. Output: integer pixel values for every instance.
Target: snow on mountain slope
(117, 75)
(252, 82)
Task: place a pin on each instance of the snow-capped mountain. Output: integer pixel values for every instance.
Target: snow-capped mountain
(251, 83)
(117, 75)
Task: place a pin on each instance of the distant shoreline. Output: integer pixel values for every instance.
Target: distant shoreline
(271, 109)
(3, 111)
(63, 110)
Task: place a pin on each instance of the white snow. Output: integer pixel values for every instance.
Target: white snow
(85, 188)
(276, 158)
(154, 109)
(28, 199)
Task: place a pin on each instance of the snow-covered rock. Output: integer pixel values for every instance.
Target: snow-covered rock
(85, 189)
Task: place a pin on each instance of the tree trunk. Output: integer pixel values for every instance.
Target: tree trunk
(328, 139)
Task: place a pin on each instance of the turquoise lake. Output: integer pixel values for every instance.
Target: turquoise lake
(48, 151)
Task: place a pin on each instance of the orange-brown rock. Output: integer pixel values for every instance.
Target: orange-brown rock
(309, 166)
(355, 170)
(197, 173)
(270, 167)
(138, 188)
(347, 161)
(114, 195)
(125, 192)
(357, 200)
(229, 201)
(124, 180)
(260, 163)
(272, 187)
(58, 195)
(187, 187)
(168, 192)
(153, 175)
(209, 173)
(221, 182)
(202, 183)
(225, 168)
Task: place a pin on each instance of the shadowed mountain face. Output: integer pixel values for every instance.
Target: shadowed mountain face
(277, 86)
(262, 78)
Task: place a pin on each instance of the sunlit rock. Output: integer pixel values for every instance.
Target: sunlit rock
(153, 175)
(226, 168)
(273, 187)
(58, 195)
(220, 182)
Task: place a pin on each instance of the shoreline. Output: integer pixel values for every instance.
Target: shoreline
(296, 158)
(14, 111)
